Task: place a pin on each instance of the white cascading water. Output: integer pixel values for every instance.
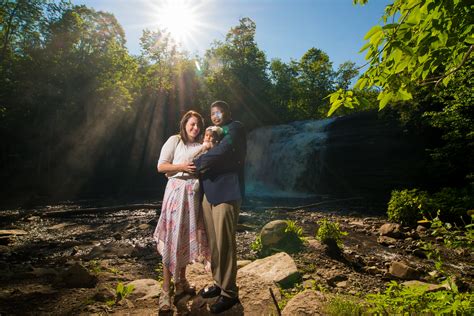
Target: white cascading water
(279, 156)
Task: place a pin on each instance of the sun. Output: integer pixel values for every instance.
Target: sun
(179, 18)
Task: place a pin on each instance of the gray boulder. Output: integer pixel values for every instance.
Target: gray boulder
(279, 268)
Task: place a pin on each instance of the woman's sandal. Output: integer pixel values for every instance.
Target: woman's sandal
(164, 302)
(183, 287)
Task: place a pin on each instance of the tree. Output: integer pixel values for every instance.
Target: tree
(236, 71)
(316, 79)
(345, 73)
(284, 82)
(420, 43)
(25, 23)
(65, 94)
(455, 120)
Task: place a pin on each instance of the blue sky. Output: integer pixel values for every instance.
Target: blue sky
(286, 29)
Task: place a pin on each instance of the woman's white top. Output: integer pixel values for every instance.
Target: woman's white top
(175, 151)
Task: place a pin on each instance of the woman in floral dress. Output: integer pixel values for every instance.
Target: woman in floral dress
(180, 235)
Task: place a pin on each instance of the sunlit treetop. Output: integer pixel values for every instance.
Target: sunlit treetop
(419, 42)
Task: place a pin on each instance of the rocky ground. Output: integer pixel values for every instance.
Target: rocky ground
(67, 259)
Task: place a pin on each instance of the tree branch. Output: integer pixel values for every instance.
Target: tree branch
(438, 79)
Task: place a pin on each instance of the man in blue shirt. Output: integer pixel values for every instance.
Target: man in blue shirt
(222, 177)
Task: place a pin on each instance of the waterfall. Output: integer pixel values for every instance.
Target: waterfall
(285, 160)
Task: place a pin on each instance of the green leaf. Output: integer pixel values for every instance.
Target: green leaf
(374, 30)
(400, 66)
(361, 83)
(423, 58)
(334, 96)
(390, 26)
(366, 45)
(384, 98)
(470, 39)
(334, 107)
(363, 102)
(404, 95)
(349, 104)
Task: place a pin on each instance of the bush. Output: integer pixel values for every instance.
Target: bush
(449, 204)
(401, 300)
(453, 203)
(342, 305)
(407, 206)
(329, 231)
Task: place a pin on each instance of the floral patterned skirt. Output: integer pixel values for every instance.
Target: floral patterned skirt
(180, 235)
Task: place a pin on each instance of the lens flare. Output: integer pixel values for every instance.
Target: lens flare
(179, 18)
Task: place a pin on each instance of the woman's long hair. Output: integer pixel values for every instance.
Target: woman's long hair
(182, 126)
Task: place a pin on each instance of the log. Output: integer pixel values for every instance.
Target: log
(105, 209)
(294, 208)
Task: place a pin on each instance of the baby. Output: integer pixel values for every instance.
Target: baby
(212, 136)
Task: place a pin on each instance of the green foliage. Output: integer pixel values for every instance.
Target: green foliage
(433, 252)
(293, 239)
(452, 203)
(236, 70)
(454, 236)
(418, 43)
(293, 229)
(455, 120)
(302, 86)
(94, 266)
(401, 300)
(342, 305)
(121, 292)
(159, 272)
(328, 231)
(407, 206)
(449, 204)
(256, 245)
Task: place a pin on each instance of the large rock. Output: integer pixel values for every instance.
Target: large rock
(272, 233)
(308, 302)
(279, 268)
(403, 271)
(368, 155)
(144, 289)
(111, 250)
(274, 238)
(387, 241)
(391, 230)
(78, 276)
(429, 287)
(254, 294)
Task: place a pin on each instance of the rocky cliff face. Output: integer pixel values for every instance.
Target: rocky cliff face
(369, 156)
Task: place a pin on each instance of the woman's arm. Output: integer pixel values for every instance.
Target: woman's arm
(165, 162)
(167, 167)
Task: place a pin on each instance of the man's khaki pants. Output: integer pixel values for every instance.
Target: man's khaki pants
(221, 223)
